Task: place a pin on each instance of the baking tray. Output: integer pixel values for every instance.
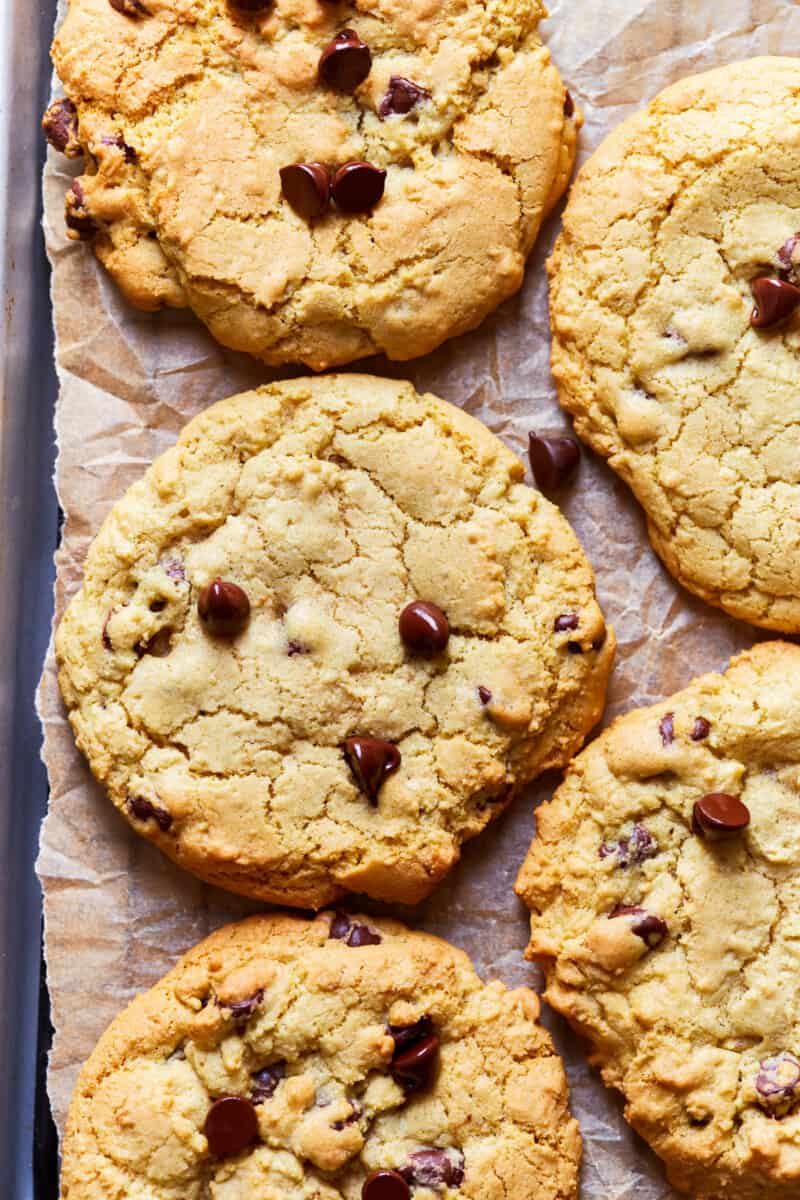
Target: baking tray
(28, 536)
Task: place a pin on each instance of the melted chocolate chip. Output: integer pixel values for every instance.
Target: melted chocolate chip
(553, 460)
(666, 727)
(778, 1082)
(574, 648)
(632, 850)
(129, 8)
(60, 125)
(265, 1082)
(143, 810)
(339, 927)
(569, 105)
(786, 257)
(424, 627)
(345, 62)
(719, 815)
(307, 188)
(701, 729)
(224, 608)
(241, 1009)
(116, 139)
(372, 761)
(385, 1185)
(776, 299)
(231, 1126)
(362, 935)
(434, 1169)
(158, 646)
(295, 648)
(484, 695)
(358, 186)
(416, 1053)
(76, 213)
(565, 622)
(401, 96)
(650, 928)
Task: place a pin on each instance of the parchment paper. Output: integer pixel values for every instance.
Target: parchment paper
(117, 912)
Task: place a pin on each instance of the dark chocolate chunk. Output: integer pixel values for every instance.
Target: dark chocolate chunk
(401, 96)
(666, 727)
(434, 1169)
(345, 62)
(358, 186)
(144, 810)
(553, 460)
(786, 258)
(650, 928)
(362, 935)
(231, 1126)
(241, 1009)
(129, 8)
(223, 608)
(79, 220)
(416, 1053)
(424, 627)
(265, 1082)
(307, 188)
(385, 1185)
(776, 299)
(372, 760)
(701, 729)
(569, 105)
(339, 927)
(484, 695)
(60, 124)
(778, 1082)
(720, 815)
(566, 621)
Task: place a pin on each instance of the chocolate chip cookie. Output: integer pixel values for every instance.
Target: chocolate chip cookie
(676, 329)
(317, 181)
(327, 638)
(337, 1059)
(663, 888)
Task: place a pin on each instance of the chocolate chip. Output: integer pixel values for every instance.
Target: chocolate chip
(650, 928)
(786, 256)
(484, 695)
(339, 927)
(76, 213)
(174, 568)
(295, 648)
(600, 640)
(385, 1185)
(414, 1061)
(223, 608)
(666, 727)
(407, 1035)
(424, 627)
(569, 105)
(565, 622)
(720, 815)
(632, 850)
(434, 1169)
(249, 8)
(701, 729)
(129, 8)
(372, 760)
(362, 935)
(158, 646)
(402, 95)
(231, 1126)
(116, 139)
(345, 62)
(776, 299)
(143, 810)
(778, 1082)
(240, 1009)
(265, 1082)
(553, 460)
(574, 647)
(358, 186)
(355, 1113)
(60, 124)
(105, 636)
(307, 188)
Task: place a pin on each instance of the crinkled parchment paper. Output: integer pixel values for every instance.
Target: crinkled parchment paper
(118, 913)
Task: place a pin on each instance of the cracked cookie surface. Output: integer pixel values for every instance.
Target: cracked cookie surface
(187, 112)
(674, 946)
(654, 353)
(307, 1032)
(333, 503)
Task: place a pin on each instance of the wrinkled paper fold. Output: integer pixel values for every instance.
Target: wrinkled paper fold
(117, 912)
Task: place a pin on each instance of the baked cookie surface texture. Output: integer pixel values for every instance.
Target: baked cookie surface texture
(340, 1059)
(677, 333)
(327, 638)
(318, 181)
(663, 888)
